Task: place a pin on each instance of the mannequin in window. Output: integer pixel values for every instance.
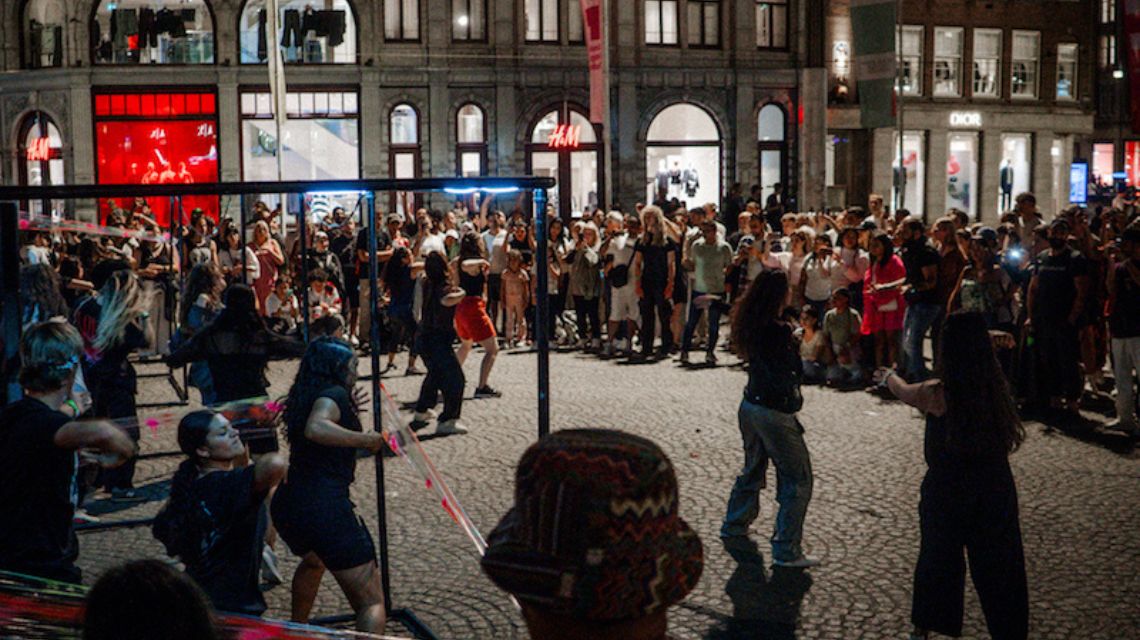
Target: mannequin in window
(675, 179)
(661, 180)
(691, 180)
(1006, 184)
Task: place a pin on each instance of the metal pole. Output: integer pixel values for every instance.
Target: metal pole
(900, 180)
(302, 229)
(542, 312)
(10, 286)
(377, 416)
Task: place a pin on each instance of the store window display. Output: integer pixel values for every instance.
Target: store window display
(1014, 172)
(44, 23)
(308, 32)
(683, 152)
(41, 153)
(962, 174)
(321, 138)
(153, 32)
(771, 136)
(912, 179)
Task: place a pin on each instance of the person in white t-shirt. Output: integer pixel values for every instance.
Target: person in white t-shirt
(618, 251)
(429, 233)
(281, 306)
(323, 297)
(495, 240)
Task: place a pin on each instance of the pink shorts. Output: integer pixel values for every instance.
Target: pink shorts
(471, 320)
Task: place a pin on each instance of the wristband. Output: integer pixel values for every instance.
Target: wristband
(74, 406)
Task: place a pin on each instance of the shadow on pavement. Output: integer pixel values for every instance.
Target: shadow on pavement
(156, 491)
(765, 606)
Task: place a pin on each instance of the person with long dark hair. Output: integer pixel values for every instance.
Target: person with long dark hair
(41, 296)
(399, 281)
(201, 301)
(216, 518)
(472, 323)
(113, 324)
(884, 305)
(147, 599)
(768, 421)
(436, 299)
(312, 508)
(969, 499)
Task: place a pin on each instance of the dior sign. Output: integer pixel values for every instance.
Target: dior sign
(966, 119)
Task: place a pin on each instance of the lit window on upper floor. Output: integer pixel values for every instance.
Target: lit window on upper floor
(152, 32)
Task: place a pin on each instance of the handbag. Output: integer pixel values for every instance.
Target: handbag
(619, 275)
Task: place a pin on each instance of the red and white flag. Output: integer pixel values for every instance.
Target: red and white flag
(597, 50)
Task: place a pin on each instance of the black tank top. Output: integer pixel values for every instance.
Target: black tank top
(472, 285)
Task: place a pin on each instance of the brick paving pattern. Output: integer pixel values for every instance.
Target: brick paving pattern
(1080, 509)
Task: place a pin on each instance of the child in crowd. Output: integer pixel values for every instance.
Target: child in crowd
(281, 307)
(813, 347)
(516, 297)
(323, 297)
(841, 331)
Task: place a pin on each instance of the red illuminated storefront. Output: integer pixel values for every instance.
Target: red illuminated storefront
(157, 138)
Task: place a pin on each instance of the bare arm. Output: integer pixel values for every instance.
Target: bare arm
(927, 396)
(322, 428)
(269, 472)
(98, 435)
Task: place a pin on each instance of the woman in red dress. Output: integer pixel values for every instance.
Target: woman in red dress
(884, 306)
(269, 259)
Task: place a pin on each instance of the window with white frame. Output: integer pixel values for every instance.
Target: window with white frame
(1107, 55)
(1067, 71)
(704, 23)
(910, 59)
(947, 61)
(468, 20)
(401, 20)
(542, 20)
(772, 24)
(1107, 11)
(1026, 59)
(661, 22)
(471, 141)
(987, 63)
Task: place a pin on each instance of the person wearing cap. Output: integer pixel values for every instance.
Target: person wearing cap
(1056, 302)
(768, 422)
(1124, 323)
(594, 546)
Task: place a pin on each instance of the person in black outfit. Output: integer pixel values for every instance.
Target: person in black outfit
(768, 422)
(655, 270)
(1056, 303)
(113, 325)
(312, 508)
(38, 444)
(435, 302)
(969, 499)
(216, 518)
(237, 347)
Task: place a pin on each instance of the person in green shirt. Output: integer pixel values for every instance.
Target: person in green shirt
(841, 330)
(709, 259)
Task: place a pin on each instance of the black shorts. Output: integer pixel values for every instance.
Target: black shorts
(494, 288)
(325, 525)
(352, 293)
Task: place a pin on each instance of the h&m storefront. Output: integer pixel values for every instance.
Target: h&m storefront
(976, 158)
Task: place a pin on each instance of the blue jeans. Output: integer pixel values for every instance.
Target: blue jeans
(695, 318)
(770, 434)
(919, 318)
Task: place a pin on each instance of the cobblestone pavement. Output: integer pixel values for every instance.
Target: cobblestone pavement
(1080, 509)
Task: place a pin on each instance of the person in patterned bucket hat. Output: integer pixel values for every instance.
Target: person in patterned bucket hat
(593, 546)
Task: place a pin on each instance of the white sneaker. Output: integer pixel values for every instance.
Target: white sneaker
(449, 427)
(802, 562)
(424, 416)
(270, 573)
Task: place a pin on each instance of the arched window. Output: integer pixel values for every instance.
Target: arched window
(404, 154)
(40, 148)
(305, 34)
(44, 29)
(152, 32)
(771, 137)
(564, 146)
(471, 141)
(682, 156)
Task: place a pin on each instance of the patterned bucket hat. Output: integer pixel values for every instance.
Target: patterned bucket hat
(594, 532)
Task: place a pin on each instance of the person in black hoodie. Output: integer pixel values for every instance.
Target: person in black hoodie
(216, 518)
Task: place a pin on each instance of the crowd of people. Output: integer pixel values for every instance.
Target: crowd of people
(1026, 314)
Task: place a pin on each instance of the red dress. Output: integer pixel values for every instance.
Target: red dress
(883, 310)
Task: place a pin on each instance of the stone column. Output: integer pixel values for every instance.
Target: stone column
(936, 144)
(1043, 171)
(990, 175)
(812, 143)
